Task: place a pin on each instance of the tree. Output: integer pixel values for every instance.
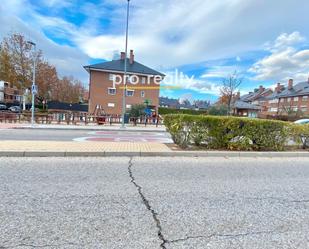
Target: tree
(7, 72)
(20, 57)
(218, 110)
(228, 90)
(16, 65)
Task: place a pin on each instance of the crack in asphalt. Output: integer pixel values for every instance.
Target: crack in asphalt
(189, 237)
(148, 206)
(225, 235)
(37, 246)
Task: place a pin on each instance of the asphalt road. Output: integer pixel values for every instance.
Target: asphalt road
(154, 203)
(83, 135)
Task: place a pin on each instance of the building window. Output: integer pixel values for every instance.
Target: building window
(143, 80)
(295, 99)
(273, 109)
(288, 99)
(142, 94)
(128, 106)
(305, 98)
(111, 104)
(111, 91)
(111, 76)
(130, 93)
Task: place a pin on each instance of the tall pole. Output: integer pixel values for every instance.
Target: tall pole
(33, 81)
(125, 70)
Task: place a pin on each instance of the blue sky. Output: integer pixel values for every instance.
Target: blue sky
(264, 41)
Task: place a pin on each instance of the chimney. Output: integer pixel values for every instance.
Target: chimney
(261, 89)
(122, 55)
(278, 88)
(290, 84)
(238, 95)
(131, 57)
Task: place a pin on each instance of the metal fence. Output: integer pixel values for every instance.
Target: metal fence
(75, 118)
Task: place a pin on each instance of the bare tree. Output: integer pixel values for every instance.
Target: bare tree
(229, 88)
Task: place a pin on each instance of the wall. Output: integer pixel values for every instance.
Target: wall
(98, 87)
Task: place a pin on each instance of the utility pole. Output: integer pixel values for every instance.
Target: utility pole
(33, 87)
(125, 70)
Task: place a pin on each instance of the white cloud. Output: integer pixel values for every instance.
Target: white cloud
(173, 33)
(165, 33)
(285, 60)
(68, 60)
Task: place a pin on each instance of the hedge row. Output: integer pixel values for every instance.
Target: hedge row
(231, 133)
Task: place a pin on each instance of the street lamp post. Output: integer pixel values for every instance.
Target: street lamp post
(125, 70)
(33, 81)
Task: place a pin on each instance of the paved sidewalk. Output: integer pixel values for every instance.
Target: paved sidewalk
(134, 149)
(84, 147)
(10, 125)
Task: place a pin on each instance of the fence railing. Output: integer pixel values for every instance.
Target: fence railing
(75, 118)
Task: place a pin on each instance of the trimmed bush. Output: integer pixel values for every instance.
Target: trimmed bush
(231, 133)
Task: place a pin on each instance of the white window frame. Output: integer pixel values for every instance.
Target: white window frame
(111, 105)
(305, 98)
(111, 88)
(143, 94)
(295, 99)
(143, 80)
(111, 76)
(128, 106)
(129, 90)
(288, 99)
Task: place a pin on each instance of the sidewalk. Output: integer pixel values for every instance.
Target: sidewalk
(150, 128)
(53, 148)
(100, 149)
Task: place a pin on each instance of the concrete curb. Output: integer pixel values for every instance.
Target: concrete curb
(226, 154)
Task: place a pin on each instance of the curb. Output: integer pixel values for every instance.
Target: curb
(225, 154)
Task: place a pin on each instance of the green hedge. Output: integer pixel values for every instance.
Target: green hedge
(231, 133)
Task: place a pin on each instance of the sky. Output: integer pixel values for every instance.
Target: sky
(200, 41)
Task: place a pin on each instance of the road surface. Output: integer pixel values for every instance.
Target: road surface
(154, 203)
(84, 135)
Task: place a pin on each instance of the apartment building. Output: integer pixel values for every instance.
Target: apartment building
(143, 85)
(284, 100)
(9, 94)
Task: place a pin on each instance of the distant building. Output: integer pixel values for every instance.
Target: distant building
(108, 97)
(169, 102)
(283, 100)
(9, 94)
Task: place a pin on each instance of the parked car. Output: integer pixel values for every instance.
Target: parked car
(15, 109)
(3, 108)
(302, 121)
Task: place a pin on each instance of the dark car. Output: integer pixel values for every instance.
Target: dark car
(15, 109)
(3, 108)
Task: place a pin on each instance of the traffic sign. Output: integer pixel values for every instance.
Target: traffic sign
(34, 89)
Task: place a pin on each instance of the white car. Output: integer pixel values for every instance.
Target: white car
(302, 121)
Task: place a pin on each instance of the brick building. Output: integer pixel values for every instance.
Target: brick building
(143, 85)
(9, 94)
(283, 100)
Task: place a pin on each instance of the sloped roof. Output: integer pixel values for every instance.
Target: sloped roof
(299, 89)
(118, 66)
(168, 101)
(244, 105)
